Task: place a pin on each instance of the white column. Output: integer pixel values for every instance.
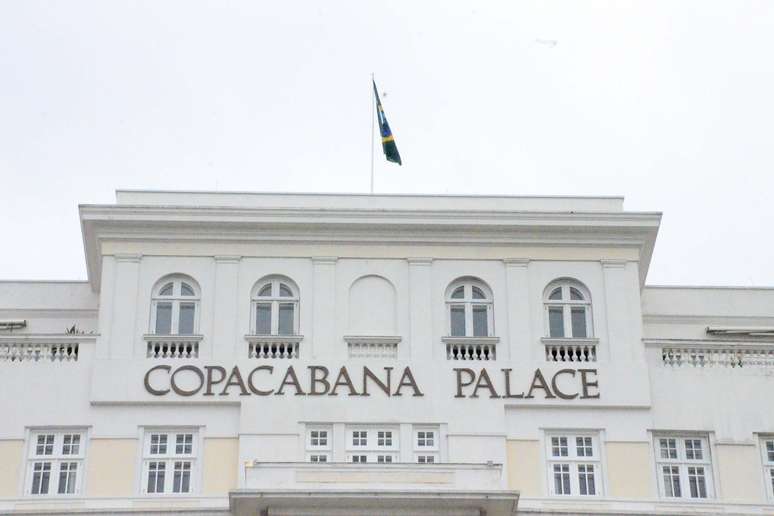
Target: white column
(226, 344)
(125, 341)
(520, 342)
(420, 345)
(324, 311)
(106, 302)
(619, 313)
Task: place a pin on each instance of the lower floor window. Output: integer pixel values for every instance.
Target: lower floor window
(171, 476)
(574, 464)
(55, 462)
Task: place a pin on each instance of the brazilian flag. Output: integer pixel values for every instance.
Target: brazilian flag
(388, 142)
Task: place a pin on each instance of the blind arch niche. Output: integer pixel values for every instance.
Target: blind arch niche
(372, 307)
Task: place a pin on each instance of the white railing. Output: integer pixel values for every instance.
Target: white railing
(731, 356)
(570, 350)
(273, 346)
(39, 349)
(372, 346)
(172, 346)
(471, 348)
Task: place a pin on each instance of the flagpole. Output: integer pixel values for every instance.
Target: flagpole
(372, 133)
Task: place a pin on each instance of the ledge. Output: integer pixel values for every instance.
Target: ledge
(387, 340)
(553, 341)
(470, 340)
(152, 337)
(49, 338)
(266, 339)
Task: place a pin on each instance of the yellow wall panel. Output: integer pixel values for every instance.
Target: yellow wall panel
(221, 458)
(524, 467)
(629, 470)
(110, 465)
(11, 467)
(740, 470)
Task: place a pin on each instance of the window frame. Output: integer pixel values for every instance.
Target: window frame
(169, 458)
(315, 452)
(575, 462)
(468, 302)
(683, 464)
(176, 299)
(421, 452)
(372, 451)
(56, 460)
(275, 300)
(767, 464)
(566, 304)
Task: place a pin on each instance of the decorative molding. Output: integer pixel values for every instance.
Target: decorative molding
(419, 262)
(613, 264)
(267, 339)
(227, 259)
(373, 339)
(127, 258)
(324, 260)
(470, 340)
(519, 263)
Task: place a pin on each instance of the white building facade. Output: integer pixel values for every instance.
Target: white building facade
(292, 354)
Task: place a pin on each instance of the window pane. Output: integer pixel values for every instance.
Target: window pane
(586, 484)
(556, 293)
(693, 449)
(186, 290)
(40, 477)
(478, 293)
(163, 318)
(671, 481)
(166, 290)
(265, 291)
(459, 293)
(67, 473)
(770, 450)
(562, 479)
(263, 319)
(697, 482)
(579, 322)
(285, 291)
(457, 315)
(575, 294)
(286, 319)
(480, 323)
(555, 322)
(187, 314)
(668, 448)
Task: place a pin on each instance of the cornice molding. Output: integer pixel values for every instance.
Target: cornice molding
(324, 260)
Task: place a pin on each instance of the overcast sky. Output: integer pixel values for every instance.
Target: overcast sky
(669, 103)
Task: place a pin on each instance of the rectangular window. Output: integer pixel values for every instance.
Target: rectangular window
(359, 438)
(286, 318)
(685, 466)
(319, 443)
(574, 464)
(767, 457)
(457, 314)
(187, 313)
(55, 463)
(384, 439)
(555, 322)
(163, 318)
(578, 318)
(263, 319)
(426, 440)
(169, 461)
(480, 321)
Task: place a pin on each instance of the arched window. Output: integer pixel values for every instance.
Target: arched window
(275, 307)
(568, 310)
(469, 307)
(174, 307)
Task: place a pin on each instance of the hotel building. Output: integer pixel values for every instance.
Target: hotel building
(348, 355)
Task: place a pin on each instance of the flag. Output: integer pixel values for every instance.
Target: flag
(388, 142)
